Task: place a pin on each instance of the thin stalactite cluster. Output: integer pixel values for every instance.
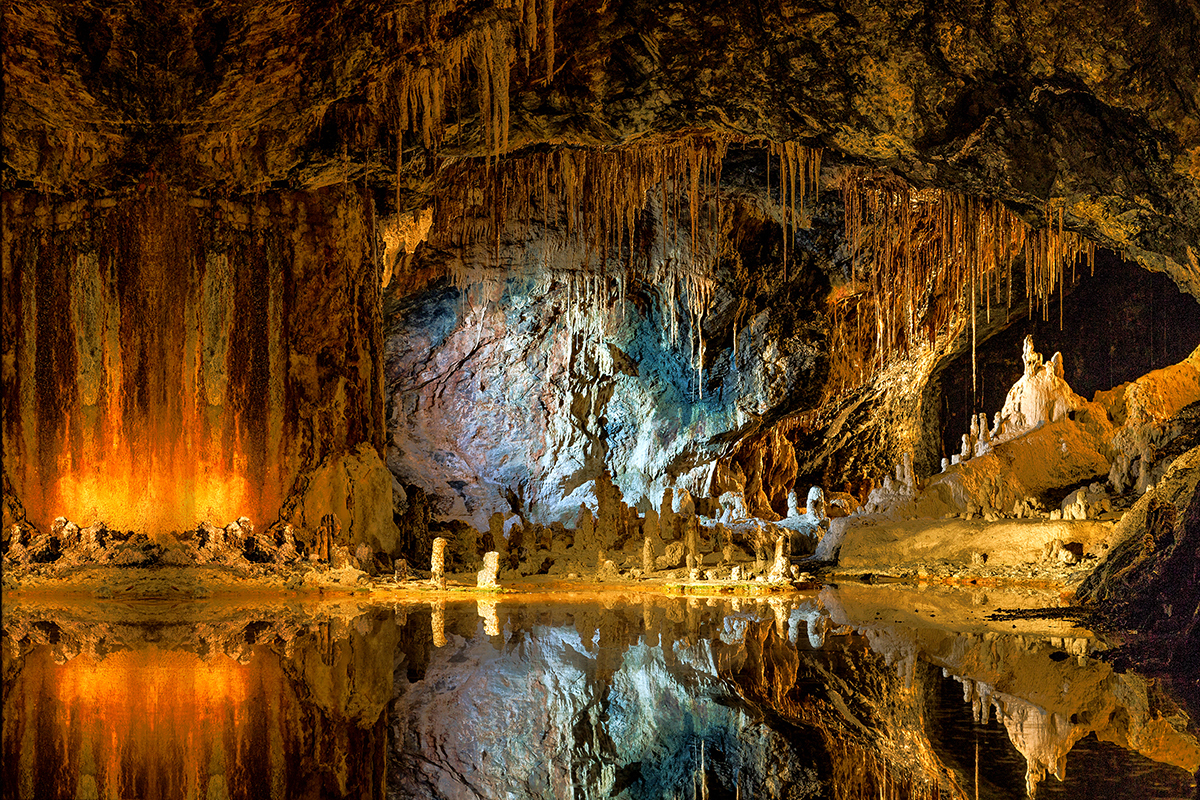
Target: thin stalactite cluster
(650, 211)
(927, 263)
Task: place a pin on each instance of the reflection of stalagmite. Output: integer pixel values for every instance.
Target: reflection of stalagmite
(437, 564)
(486, 609)
(438, 623)
(782, 613)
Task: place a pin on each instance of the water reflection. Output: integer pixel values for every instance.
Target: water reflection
(848, 693)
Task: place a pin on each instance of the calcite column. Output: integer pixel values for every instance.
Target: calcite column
(437, 563)
(171, 358)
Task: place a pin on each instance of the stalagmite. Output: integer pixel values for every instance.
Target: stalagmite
(815, 507)
(647, 556)
(437, 564)
(692, 538)
(780, 571)
(401, 571)
(486, 577)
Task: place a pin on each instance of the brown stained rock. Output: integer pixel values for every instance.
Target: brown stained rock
(612, 518)
(366, 560)
(16, 554)
(667, 517)
(340, 559)
(672, 558)
(162, 278)
(854, 79)
(608, 571)
(585, 532)
(286, 552)
(327, 536)
(496, 533)
(692, 537)
(401, 571)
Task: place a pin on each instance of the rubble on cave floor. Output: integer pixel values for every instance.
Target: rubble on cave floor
(236, 554)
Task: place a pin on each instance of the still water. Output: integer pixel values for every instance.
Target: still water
(850, 692)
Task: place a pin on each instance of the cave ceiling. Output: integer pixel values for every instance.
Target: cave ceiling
(1092, 106)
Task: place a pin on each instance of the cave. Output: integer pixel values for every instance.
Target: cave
(569, 398)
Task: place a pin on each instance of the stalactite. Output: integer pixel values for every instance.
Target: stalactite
(548, 23)
(934, 257)
(598, 197)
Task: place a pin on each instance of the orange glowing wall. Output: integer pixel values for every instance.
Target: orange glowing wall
(169, 358)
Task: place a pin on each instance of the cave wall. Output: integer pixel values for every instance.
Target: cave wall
(1086, 111)
(171, 358)
(517, 392)
(1113, 327)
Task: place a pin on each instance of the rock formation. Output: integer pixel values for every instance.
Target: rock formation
(486, 578)
(437, 564)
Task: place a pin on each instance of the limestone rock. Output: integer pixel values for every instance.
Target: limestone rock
(672, 558)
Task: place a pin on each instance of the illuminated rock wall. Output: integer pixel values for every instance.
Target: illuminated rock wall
(169, 359)
(499, 392)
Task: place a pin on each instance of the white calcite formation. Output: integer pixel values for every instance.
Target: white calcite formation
(1087, 502)
(780, 571)
(486, 578)
(815, 508)
(895, 496)
(1039, 396)
(805, 528)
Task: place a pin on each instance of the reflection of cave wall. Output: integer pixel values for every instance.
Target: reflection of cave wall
(1117, 325)
(275, 703)
(169, 359)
